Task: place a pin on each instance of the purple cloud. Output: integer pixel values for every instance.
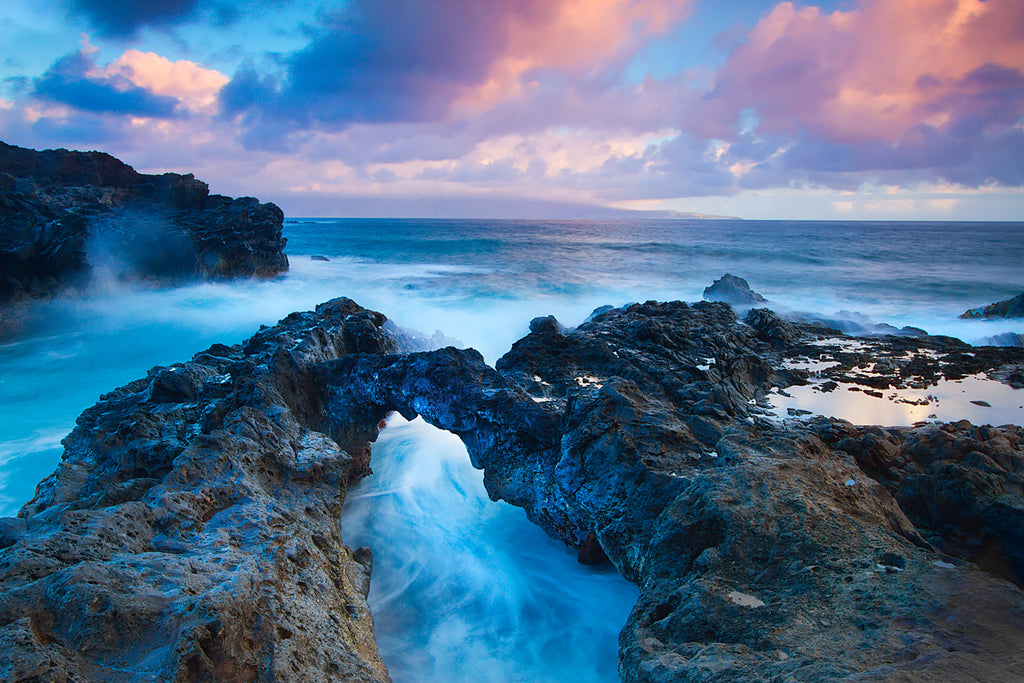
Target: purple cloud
(394, 61)
(69, 81)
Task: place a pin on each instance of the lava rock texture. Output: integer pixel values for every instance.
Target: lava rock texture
(734, 290)
(1010, 308)
(191, 531)
(64, 215)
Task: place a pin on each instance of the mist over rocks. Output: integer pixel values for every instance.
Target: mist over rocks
(192, 526)
(1010, 308)
(67, 216)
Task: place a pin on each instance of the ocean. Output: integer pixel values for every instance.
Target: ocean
(481, 282)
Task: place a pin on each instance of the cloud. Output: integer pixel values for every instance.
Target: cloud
(75, 80)
(539, 98)
(902, 91)
(194, 86)
(393, 61)
(119, 18)
(874, 72)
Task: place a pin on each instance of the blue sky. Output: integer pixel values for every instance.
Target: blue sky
(870, 109)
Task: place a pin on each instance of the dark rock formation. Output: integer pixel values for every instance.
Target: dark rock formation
(732, 290)
(854, 324)
(191, 531)
(64, 213)
(1010, 308)
(1005, 339)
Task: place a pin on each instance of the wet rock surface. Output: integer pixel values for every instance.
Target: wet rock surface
(192, 529)
(764, 549)
(1010, 308)
(63, 214)
(731, 289)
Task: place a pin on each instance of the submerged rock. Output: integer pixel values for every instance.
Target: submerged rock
(65, 215)
(192, 527)
(732, 290)
(1010, 308)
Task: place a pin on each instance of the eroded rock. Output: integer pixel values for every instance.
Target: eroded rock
(64, 214)
(191, 529)
(1010, 308)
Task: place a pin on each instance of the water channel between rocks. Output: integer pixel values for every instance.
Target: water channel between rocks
(468, 589)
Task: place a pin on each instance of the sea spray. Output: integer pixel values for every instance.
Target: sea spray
(481, 282)
(467, 589)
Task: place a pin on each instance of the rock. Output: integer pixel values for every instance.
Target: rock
(65, 214)
(1010, 308)
(1005, 339)
(546, 325)
(732, 290)
(192, 528)
(318, 257)
(772, 328)
(620, 455)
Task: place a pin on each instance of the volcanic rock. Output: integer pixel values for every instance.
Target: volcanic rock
(1010, 308)
(732, 290)
(65, 214)
(192, 529)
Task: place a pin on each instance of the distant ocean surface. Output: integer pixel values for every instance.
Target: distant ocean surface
(481, 282)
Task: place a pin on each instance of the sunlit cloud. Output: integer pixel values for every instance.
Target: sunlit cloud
(543, 99)
(873, 72)
(191, 84)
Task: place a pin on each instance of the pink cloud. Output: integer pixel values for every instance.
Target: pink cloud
(871, 73)
(195, 86)
(570, 35)
(389, 61)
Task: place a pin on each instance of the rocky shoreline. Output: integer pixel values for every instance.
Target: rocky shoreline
(192, 529)
(65, 215)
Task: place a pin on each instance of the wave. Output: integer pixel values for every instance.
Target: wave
(465, 588)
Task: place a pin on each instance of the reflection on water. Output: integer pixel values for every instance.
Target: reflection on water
(975, 398)
(467, 589)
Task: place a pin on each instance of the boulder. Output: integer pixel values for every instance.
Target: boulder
(732, 290)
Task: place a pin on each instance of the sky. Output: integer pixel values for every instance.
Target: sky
(841, 109)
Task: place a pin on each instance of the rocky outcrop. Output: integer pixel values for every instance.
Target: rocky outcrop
(732, 290)
(1010, 308)
(63, 214)
(191, 530)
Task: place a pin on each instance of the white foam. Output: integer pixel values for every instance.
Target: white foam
(465, 588)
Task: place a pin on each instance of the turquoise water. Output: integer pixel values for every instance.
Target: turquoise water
(481, 282)
(466, 589)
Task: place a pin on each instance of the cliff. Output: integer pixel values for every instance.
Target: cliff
(65, 214)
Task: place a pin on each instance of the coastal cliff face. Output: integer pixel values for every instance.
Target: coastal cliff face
(191, 531)
(64, 214)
